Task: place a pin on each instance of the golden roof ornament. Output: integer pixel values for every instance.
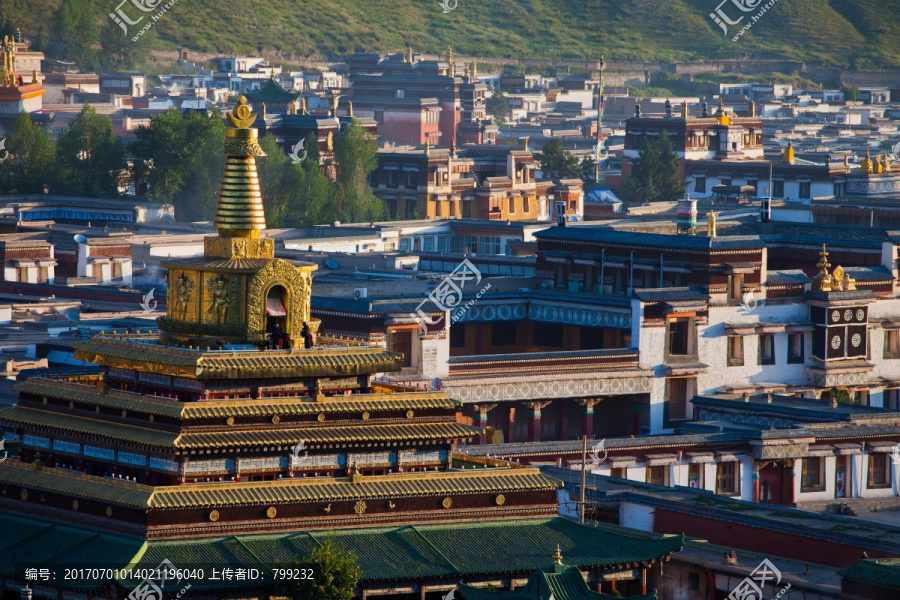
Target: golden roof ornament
(788, 154)
(866, 164)
(837, 279)
(239, 212)
(823, 281)
(711, 224)
(557, 558)
(350, 108)
(241, 116)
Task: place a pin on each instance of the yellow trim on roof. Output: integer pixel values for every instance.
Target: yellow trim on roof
(282, 491)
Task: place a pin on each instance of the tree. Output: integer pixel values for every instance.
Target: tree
(183, 153)
(355, 157)
(588, 169)
(851, 93)
(29, 166)
(73, 33)
(557, 163)
(90, 158)
(119, 52)
(334, 574)
(276, 176)
(497, 106)
(669, 184)
(655, 173)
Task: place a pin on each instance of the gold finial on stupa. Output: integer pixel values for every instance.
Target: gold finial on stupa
(8, 60)
(866, 164)
(711, 224)
(350, 108)
(241, 116)
(239, 212)
(684, 109)
(787, 156)
(721, 117)
(557, 558)
(823, 281)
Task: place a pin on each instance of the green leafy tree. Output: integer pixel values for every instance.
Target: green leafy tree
(119, 52)
(557, 163)
(851, 93)
(335, 574)
(355, 157)
(73, 33)
(497, 106)
(669, 184)
(29, 166)
(185, 161)
(588, 169)
(275, 181)
(655, 173)
(90, 158)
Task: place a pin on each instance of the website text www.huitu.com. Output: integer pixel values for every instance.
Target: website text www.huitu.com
(754, 19)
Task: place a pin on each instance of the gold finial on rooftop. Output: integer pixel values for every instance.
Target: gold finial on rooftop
(239, 212)
(558, 559)
(823, 281)
(241, 117)
(711, 224)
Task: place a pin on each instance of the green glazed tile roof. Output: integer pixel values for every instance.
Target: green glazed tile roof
(558, 583)
(454, 551)
(54, 546)
(882, 572)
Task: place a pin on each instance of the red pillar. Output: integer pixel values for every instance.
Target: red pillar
(534, 425)
(587, 418)
(481, 421)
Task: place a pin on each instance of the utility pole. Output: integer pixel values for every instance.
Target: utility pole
(583, 472)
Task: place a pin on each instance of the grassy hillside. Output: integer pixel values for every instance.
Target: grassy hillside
(855, 33)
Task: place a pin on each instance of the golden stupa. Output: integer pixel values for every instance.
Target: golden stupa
(237, 292)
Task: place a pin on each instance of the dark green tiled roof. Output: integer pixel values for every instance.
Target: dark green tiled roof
(882, 572)
(271, 92)
(53, 546)
(404, 553)
(559, 583)
(457, 550)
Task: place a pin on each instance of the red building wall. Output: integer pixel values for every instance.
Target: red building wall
(765, 541)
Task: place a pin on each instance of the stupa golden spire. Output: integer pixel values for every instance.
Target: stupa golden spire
(240, 210)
